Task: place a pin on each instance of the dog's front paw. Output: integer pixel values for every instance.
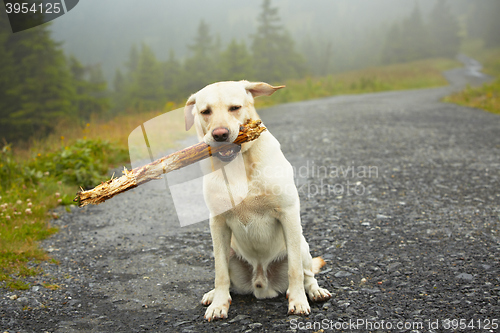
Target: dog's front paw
(319, 294)
(219, 307)
(298, 305)
(217, 311)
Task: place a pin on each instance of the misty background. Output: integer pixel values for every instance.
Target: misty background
(351, 33)
(106, 57)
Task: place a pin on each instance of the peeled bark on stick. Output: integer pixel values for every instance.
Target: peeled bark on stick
(251, 130)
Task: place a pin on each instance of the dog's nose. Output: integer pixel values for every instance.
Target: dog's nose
(220, 134)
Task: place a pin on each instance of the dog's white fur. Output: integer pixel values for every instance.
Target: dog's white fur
(258, 245)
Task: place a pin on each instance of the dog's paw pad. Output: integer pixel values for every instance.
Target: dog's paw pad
(319, 295)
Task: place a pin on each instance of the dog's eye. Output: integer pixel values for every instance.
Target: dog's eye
(206, 112)
(235, 108)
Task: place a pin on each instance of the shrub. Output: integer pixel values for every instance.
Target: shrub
(84, 163)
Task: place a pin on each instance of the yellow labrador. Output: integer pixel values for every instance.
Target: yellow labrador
(258, 244)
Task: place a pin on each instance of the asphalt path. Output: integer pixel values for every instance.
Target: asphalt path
(399, 194)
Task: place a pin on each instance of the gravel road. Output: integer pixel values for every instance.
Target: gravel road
(399, 194)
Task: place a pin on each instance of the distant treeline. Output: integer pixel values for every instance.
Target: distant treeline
(437, 32)
(414, 39)
(148, 83)
(39, 84)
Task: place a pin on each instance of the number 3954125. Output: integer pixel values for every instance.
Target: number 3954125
(26, 8)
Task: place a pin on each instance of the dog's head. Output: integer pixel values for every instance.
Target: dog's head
(218, 110)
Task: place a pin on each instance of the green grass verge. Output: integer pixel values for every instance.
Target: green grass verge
(33, 182)
(413, 75)
(30, 188)
(487, 96)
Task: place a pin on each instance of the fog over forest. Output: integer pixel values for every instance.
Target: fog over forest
(348, 32)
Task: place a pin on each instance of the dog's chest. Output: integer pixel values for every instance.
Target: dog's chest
(255, 225)
(253, 207)
(259, 207)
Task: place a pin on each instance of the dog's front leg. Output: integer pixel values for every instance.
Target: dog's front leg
(292, 229)
(219, 297)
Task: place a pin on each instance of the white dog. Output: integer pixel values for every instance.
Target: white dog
(258, 244)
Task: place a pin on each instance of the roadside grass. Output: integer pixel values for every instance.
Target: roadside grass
(115, 130)
(413, 75)
(487, 96)
(30, 188)
(37, 177)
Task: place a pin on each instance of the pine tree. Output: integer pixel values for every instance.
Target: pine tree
(318, 53)
(37, 87)
(146, 91)
(482, 22)
(133, 60)
(7, 78)
(216, 55)
(99, 90)
(91, 90)
(393, 48)
(273, 49)
(236, 62)
(119, 91)
(444, 30)
(415, 38)
(119, 82)
(408, 41)
(199, 69)
(172, 78)
(492, 30)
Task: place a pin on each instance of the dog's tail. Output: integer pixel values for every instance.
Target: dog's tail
(317, 263)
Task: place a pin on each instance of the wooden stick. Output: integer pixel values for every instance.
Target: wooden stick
(251, 130)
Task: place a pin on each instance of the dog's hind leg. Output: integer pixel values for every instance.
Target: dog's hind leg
(240, 274)
(261, 281)
(277, 275)
(313, 266)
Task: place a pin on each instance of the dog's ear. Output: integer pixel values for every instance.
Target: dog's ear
(188, 112)
(260, 88)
